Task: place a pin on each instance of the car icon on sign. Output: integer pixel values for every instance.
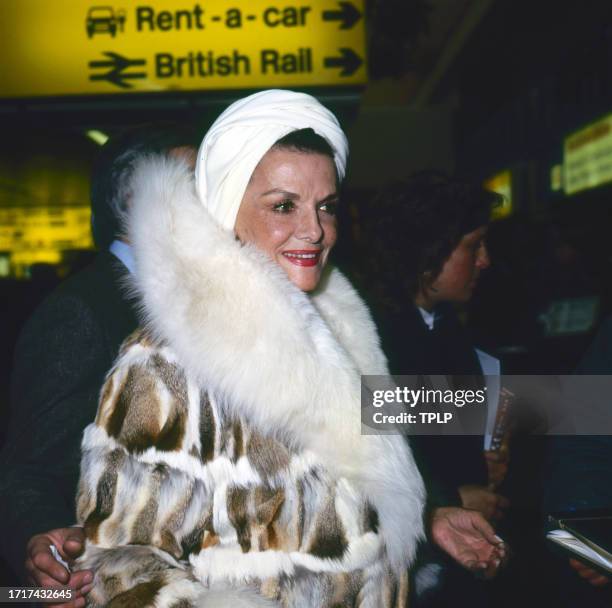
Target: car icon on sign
(100, 20)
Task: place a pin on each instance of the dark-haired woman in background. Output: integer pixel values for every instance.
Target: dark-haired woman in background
(426, 255)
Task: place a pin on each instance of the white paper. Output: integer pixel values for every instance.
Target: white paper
(491, 368)
(58, 557)
(565, 539)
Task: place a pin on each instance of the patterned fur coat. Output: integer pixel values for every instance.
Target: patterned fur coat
(226, 466)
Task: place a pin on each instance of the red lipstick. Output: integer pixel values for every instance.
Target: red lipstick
(303, 257)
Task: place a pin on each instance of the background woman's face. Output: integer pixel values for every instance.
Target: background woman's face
(461, 271)
(289, 212)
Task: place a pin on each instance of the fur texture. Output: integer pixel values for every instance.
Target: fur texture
(179, 497)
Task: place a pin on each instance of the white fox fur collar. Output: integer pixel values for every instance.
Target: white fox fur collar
(289, 363)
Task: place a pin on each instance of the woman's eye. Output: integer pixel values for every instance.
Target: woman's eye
(284, 207)
(330, 207)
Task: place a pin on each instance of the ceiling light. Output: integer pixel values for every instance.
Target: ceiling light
(97, 136)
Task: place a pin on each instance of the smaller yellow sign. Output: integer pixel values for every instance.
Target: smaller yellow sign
(587, 158)
(556, 178)
(40, 234)
(502, 184)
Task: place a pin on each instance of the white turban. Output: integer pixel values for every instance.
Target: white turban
(244, 132)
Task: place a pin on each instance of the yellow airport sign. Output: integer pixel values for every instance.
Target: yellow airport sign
(50, 228)
(89, 47)
(587, 157)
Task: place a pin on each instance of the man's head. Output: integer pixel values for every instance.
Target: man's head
(110, 185)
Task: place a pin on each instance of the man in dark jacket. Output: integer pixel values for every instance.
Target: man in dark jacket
(61, 359)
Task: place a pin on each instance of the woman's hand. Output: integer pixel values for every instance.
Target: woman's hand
(479, 498)
(469, 539)
(45, 571)
(593, 577)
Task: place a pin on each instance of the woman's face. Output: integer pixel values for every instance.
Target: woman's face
(460, 272)
(288, 211)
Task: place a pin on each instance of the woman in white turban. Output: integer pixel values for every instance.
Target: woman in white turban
(226, 466)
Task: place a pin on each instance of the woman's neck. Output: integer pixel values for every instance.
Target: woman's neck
(423, 301)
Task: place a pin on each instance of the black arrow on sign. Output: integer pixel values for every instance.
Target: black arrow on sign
(116, 74)
(348, 14)
(349, 62)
